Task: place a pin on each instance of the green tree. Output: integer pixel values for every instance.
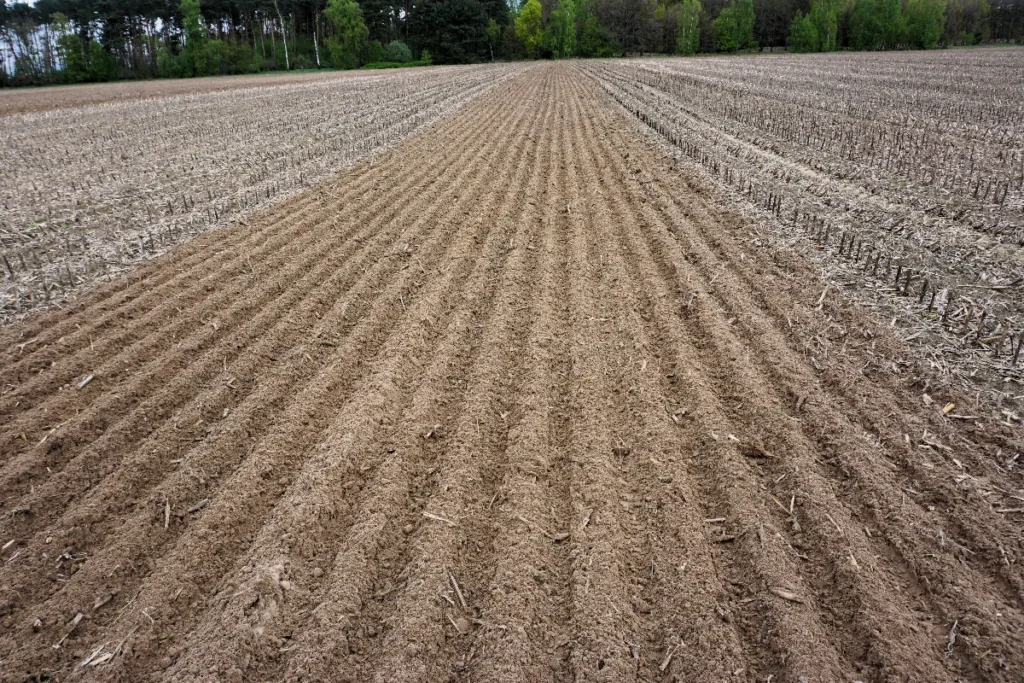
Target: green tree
(397, 51)
(967, 22)
(816, 31)
(593, 40)
(350, 33)
(803, 35)
(493, 36)
(735, 27)
(455, 31)
(925, 20)
(375, 52)
(560, 36)
(102, 66)
(824, 15)
(530, 28)
(876, 25)
(192, 59)
(688, 30)
(70, 50)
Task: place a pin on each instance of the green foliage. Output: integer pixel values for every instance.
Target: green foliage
(825, 17)
(560, 35)
(688, 28)
(397, 51)
(594, 40)
(425, 57)
(394, 65)
(455, 31)
(86, 41)
(70, 50)
(201, 56)
(925, 20)
(876, 25)
(494, 34)
(803, 34)
(967, 22)
(337, 55)
(817, 30)
(529, 28)
(192, 22)
(350, 33)
(192, 61)
(375, 52)
(102, 66)
(240, 59)
(735, 27)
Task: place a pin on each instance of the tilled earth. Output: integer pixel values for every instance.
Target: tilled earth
(516, 401)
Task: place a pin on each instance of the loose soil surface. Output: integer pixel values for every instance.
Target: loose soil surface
(84, 201)
(516, 401)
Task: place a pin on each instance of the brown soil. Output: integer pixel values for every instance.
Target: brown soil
(83, 200)
(537, 410)
(24, 100)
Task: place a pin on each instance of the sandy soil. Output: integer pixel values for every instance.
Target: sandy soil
(24, 100)
(515, 402)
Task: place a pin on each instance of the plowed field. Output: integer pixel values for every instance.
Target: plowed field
(515, 401)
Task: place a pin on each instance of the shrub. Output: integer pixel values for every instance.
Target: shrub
(397, 51)
(375, 51)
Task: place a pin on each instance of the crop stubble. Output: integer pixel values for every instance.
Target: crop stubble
(902, 174)
(514, 402)
(90, 191)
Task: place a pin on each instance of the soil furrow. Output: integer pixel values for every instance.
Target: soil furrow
(133, 200)
(514, 402)
(676, 535)
(525, 600)
(873, 464)
(385, 479)
(469, 463)
(869, 415)
(841, 547)
(606, 621)
(247, 418)
(153, 325)
(330, 462)
(309, 409)
(196, 254)
(216, 362)
(793, 379)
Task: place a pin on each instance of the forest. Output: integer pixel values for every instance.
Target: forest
(76, 41)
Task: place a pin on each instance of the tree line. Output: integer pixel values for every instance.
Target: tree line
(75, 41)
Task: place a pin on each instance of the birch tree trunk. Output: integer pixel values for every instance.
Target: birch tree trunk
(284, 37)
(316, 45)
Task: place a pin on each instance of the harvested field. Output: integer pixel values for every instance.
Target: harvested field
(25, 100)
(902, 173)
(517, 401)
(89, 191)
